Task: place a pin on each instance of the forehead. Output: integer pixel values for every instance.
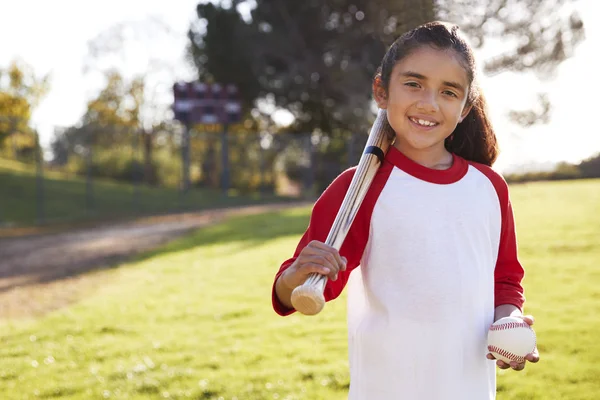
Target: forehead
(436, 65)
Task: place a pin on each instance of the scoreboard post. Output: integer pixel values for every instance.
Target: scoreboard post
(198, 103)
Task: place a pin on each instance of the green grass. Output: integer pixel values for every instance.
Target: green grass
(65, 199)
(194, 320)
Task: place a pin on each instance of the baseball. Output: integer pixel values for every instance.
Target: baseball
(511, 339)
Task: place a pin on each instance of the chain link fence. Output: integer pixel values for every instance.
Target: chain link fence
(145, 174)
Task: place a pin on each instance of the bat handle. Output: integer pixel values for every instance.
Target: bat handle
(308, 298)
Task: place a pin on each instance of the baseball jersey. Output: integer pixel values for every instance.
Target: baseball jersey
(430, 254)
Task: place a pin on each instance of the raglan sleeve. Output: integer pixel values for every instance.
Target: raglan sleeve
(321, 220)
(509, 272)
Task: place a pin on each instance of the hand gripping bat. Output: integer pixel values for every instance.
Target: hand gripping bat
(308, 298)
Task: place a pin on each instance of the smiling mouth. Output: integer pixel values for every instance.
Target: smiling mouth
(423, 122)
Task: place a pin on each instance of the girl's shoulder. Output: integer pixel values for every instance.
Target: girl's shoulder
(339, 186)
(332, 197)
(488, 171)
(345, 177)
(495, 178)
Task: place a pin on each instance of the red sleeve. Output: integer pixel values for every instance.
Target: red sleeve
(321, 220)
(509, 272)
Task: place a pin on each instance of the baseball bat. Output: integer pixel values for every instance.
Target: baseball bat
(308, 298)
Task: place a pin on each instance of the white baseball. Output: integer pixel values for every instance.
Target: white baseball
(511, 339)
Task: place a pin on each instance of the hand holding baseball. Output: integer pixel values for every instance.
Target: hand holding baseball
(316, 257)
(531, 357)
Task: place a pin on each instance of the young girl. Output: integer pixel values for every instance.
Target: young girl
(434, 237)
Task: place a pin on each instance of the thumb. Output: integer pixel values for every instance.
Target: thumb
(529, 319)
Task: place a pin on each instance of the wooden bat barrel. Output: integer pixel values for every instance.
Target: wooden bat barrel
(308, 298)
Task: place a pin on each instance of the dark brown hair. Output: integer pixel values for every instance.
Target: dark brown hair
(474, 138)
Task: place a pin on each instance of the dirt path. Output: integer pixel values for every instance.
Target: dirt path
(42, 273)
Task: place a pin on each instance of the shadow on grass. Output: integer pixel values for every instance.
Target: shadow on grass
(53, 258)
(252, 230)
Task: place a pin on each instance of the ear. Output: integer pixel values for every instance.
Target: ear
(379, 93)
(464, 113)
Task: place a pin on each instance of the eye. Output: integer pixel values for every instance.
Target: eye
(412, 84)
(450, 93)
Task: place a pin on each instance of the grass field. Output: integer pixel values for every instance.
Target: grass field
(65, 201)
(194, 320)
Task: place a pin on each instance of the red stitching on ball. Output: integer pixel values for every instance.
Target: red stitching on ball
(509, 325)
(507, 354)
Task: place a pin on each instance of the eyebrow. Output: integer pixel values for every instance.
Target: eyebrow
(411, 74)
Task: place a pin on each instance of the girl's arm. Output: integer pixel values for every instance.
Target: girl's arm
(284, 293)
(340, 264)
(507, 310)
(316, 257)
(508, 272)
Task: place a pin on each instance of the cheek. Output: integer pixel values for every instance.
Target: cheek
(399, 97)
(395, 117)
(453, 110)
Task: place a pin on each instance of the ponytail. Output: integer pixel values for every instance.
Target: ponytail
(474, 138)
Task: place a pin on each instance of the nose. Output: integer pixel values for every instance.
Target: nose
(428, 103)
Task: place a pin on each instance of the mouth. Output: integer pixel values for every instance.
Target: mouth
(423, 122)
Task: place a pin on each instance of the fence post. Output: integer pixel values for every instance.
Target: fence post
(39, 181)
(262, 165)
(89, 195)
(185, 157)
(225, 160)
(310, 171)
(135, 168)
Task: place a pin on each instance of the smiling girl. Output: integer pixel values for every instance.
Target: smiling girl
(434, 238)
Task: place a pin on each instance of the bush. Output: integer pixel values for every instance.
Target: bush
(563, 171)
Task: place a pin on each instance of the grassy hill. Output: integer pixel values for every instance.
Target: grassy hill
(193, 320)
(65, 200)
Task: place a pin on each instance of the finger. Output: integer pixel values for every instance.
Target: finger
(517, 366)
(331, 261)
(309, 268)
(533, 357)
(502, 365)
(528, 318)
(321, 259)
(315, 250)
(329, 249)
(490, 356)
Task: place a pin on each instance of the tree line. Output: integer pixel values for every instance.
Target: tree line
(588, 168)
(314, 59)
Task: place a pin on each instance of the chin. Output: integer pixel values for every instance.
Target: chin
(422, 145)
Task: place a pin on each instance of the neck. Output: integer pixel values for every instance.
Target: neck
(434, 158)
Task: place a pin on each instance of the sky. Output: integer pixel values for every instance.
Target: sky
(53, 37)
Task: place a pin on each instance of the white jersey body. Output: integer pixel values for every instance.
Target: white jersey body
(421, 303)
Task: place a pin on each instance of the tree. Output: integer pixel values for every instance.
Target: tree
(590, 167)
(20, 93)
(110, 128)
(107, 128)
(317, 58)
(111, 51)
(111, 112)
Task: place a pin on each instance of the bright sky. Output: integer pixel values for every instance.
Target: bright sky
(52, 37)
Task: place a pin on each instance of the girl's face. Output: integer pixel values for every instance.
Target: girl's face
(426, 99)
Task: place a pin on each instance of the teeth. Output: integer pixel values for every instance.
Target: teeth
(424, 122)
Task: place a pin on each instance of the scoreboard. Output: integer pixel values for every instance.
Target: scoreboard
(206, 103)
